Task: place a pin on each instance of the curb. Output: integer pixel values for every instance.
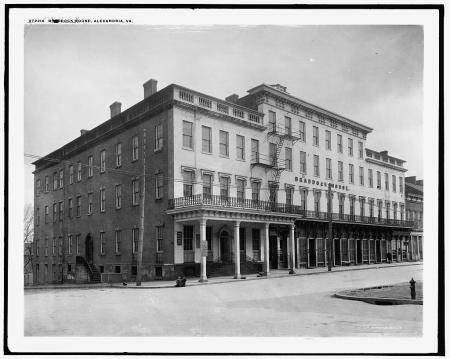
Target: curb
(380, 300)
(193, 284)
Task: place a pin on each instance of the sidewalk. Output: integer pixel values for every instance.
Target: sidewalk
(275, 273)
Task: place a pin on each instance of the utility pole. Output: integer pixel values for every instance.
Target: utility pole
(330, 228)
(141, 227)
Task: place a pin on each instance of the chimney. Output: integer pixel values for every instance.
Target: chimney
(150, 87)
(232, 98)
(83, 132)
(115, 108)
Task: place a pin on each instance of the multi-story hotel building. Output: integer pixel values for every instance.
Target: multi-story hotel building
(231, 185)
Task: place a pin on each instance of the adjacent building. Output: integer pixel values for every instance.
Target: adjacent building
(414, 213)
(232, 186)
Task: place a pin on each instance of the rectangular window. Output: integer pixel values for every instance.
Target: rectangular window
(135, 191)
(60, 251)
(370, 174)
(118, 196)
(46, 184)
(273, 193)
(329, 170)
(70, 207)
(118, 240)
(362, 203)
(341, 204)
(273, 153)
(38, 185)
(340, 170)
(328, 140)
(350, 173)
(388, 210)
(37, 249)
(339, 143)
(135, 239)
(256, 239)
(46, 214)
(301, 131)
(90, 168)
(402, 212)
(78, 206)
(206, 139)
(102, 161)
(102, 242)
(159, 186)
(207, 185)
(361, 176)
(118, 154)
(159, 238)
(102, 199)
(371, 208)
(394, 183)
(350, 147)
(240, 147)
(61, 178)
(287, 126)
(223, 143)
(188, 238)
(187, 135)
(240, 188)
(159, 141)
(90, 203)
(315, 136)
(289, 193)
(46, 247)
(303, 198)
(209, 237)
(378, 179)
(255, 190)
(69, 244)
(71, 174)
(288, 158)
(394, 209)
(55, 212)
(55, 181)
(386, 182)
(380, 209)
(360, 150)
(316, 165)
(317, 201)
(272, 121)
(79, 171)
(400, 182)
(61, 211)
(255, 150)
(224, 187)
(37, 216)
(188, 183)
(135, 148)
(303, 162)
(77, 244)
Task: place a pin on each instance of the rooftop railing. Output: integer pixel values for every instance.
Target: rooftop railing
(268, 206)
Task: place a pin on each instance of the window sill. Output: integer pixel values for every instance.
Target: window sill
(135, 160)
(156, 150)
(118, 166)
(224, 156)
(240, 159)
(207, 153)
(187, 148)
(118, 254)
(135, 205)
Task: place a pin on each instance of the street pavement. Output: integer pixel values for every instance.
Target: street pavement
(282, 306)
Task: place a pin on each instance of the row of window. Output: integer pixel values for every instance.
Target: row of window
(75, 170)
(301, 134)
(58, 207)
(57, 243)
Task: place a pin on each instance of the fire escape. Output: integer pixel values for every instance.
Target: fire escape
(277, 136)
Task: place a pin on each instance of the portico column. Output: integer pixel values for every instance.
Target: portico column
(292, 247)
(203, 245)
(266, 248)
(417, 248)
(237, 256)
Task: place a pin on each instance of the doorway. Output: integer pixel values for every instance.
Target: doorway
(312, 257)
(225, 248)
(89, 246)
(337, 252)
(378, 251)
(358, 251)
(273, 252)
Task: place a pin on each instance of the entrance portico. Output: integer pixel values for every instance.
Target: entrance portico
(229, 226)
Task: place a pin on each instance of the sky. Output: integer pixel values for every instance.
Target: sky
(370, 74)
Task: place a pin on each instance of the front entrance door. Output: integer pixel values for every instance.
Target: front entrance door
(312, 261)
(378, 251)
(89, 245)
(358, 251)
(337, 252)
(273, 252)
(225, 248)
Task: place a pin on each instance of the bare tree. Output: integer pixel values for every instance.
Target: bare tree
(28, 234)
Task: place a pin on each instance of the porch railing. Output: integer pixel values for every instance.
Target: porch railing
(268, 206)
